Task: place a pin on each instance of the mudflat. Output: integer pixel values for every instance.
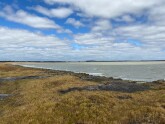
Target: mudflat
(29, 95)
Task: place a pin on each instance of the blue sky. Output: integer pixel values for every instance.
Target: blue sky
(72, 30)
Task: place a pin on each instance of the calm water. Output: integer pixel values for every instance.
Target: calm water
(139, 71)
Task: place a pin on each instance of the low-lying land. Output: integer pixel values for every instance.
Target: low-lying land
(41, 96)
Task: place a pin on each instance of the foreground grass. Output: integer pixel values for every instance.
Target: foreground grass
(38, 101)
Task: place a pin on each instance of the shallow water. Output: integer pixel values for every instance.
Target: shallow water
(139, 71)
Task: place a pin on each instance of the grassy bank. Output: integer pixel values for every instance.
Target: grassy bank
(38, 101)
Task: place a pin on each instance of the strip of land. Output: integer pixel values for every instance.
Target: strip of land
(29, 95)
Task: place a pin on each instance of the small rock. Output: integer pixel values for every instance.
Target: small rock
(3, 96)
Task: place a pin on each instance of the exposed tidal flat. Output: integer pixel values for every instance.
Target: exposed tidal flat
(31, 95)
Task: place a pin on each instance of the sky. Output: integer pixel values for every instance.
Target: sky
(80, 30)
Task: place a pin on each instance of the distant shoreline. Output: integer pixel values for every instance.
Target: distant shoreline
(93, 61)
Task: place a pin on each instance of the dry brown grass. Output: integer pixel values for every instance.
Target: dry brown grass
(39, 102)
(8, 70)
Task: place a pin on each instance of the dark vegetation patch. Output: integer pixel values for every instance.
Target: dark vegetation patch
(117, 86)
(124, 97)
(20, 78)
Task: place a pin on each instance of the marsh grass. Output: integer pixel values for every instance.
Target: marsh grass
(39, 101)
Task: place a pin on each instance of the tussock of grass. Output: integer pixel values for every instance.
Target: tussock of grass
(39, 102)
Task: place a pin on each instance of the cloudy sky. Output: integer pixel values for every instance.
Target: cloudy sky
(75, 30)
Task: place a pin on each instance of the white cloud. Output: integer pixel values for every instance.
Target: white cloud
(74, 22)
(157, 14)
(102, 25)
(24, 45)
(92, 39)
(19, 44)
(114, 45)
(23, 17)
(58, 12)
(145, 33)
(105, 41)
(109, 8)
